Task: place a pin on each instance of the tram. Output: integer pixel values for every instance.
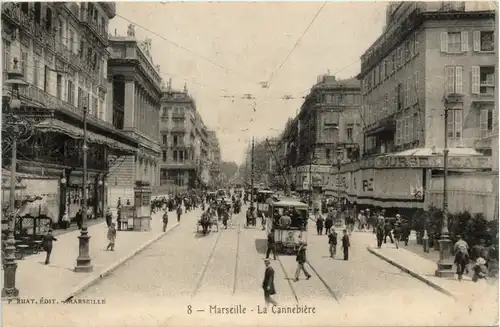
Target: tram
(287, 237)
(261, 198)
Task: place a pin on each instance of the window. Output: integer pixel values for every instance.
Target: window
(399, 57)
(59, 86)
(38, 12)
(327, 153)
(48, 19)
(94, 110)
(483, 80)
(36, 72)
(25, 7)
(6, 55)
(485, 122)
(408, 99)
(71, 93)
(407, 50)
(415, 87)
(71, 44)
(483, 41)
(349, 133)
(454, 83)
(175, 155)
(164, 139)
(455, 42)
(24, 63)
(393, 62)
(400, 96)
(60, 30)
(80, 97)
(387, 68)
(164, 156)
(454, 123)
(175, 140)
(386, 104)
(181, 156)
(101, 109)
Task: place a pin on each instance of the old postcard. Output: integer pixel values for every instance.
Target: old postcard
(249, 163)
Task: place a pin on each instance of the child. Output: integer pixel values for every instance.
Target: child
(332, 241)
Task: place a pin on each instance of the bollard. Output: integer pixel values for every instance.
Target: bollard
(425, 242)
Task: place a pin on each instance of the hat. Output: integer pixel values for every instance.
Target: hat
(267, 261)
(397, 215)
(480, 261)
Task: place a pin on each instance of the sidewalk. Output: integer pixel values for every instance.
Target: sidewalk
(58, 281)
(423, 269)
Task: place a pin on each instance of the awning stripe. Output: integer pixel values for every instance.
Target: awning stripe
(54, 125)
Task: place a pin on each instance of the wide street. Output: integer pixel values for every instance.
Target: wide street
(180, 276)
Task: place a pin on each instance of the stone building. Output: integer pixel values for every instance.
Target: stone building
(61, 48)
(135, 90)
(185, 143)
(427, 51)
(329, 128)
(214, 159)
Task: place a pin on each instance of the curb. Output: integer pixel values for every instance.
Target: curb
(412, 273)
(96, 277)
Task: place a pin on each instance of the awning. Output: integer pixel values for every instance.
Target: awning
(54, 125)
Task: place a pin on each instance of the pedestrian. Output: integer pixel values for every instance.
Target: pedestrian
(345, 245)
(362, 221)
(128, 202)
(271, 244)
(319, 222)
(268, 284)
(387, 232)
(480, 271)
(79, 218)
(225, 217)
(111, 237)
(66, 221)
(165, 221)
(179, 213)
(109, 217)
(328, 222)
(332, 242)
(48, 239)
(397, 234)
(379, 229)
(461, 250)
(301, 260)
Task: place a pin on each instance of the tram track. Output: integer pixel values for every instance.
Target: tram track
(315, 274)
(234, 225)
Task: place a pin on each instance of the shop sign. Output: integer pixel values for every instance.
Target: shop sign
(480, 162)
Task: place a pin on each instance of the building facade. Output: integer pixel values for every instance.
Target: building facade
(329, 128)
(214, 160)
(134, 85)
(185, 143)
(61, 50)
(427, 52)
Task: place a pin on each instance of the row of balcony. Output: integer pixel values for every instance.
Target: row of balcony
(46, 100)
(94, 26)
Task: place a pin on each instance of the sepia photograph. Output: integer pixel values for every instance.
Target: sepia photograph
(232, 163)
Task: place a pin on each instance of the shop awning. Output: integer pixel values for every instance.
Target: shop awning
(54, 125)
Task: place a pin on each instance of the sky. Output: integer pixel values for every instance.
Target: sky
(224, 50)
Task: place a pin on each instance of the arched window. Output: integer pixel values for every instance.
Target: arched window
(48, 19)
(25, 7)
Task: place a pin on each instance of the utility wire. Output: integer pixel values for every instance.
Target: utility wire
(295, 46)
(185, 49)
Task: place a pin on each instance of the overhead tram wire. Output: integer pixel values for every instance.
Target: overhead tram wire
(228, 70)
(273, 74)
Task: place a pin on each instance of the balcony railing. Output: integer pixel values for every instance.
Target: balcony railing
(94, 26)
(34, 94)
(178, 115)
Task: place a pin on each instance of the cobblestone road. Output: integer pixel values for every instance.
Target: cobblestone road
(180, 279)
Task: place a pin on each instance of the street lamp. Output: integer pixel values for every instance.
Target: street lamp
(451, 102)
(16, 128)
(83, 262)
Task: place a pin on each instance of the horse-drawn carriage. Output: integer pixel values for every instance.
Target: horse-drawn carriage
(207, 223)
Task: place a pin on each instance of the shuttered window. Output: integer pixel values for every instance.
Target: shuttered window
(485, 122)
(415, 87)
(475, 79)
(454, 79)
(409, 100)
(398, 131)
(455, 124)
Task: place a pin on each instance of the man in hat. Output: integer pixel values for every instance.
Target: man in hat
(268, 283)
(301, 260)
(47, 244)
(271, 246)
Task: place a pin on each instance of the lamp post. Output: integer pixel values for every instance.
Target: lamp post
(452, 102)
(83, 262)
(16, 128)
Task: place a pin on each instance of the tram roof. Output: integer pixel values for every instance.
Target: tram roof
(288, 202)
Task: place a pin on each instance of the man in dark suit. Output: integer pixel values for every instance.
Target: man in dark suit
(47, 244)
(301, 260)
(268, 283)
(271, 247)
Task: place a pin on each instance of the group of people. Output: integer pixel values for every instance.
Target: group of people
(484, 259)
